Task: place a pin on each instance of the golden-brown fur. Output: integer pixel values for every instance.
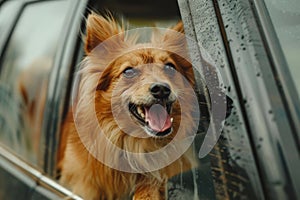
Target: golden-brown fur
(100, 102)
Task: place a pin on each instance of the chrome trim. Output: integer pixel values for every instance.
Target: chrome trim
(36, 175)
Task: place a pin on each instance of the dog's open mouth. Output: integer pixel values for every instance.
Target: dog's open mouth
(155, 118)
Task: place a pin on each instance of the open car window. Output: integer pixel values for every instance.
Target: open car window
(229, 170)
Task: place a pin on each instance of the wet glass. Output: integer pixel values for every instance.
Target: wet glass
(231, 166)
(25, 69)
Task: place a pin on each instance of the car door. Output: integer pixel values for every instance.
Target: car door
(230, 169)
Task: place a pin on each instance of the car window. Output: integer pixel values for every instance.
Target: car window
(26, 66)
(229, 170)
(285, 17)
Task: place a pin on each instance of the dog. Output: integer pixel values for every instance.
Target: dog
(133, 98)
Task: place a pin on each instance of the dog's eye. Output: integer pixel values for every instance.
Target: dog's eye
(130, 72)
(170, 68)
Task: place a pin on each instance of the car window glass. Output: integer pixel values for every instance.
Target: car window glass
(285, 16)
(232, 161)
(24, 76)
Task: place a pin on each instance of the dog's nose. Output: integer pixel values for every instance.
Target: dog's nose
(160, 90)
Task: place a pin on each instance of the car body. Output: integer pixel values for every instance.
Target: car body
(257, 154)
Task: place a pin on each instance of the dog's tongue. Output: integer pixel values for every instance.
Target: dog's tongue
(158, 118)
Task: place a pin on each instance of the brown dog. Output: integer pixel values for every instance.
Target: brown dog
(134, 97)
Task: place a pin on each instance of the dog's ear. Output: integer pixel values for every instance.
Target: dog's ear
(98, 29)
(179, 27)
(174, 35)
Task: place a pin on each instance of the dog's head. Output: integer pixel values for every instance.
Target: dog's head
(146, 89)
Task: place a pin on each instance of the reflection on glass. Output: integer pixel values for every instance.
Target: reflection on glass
(24, 76)
(285, 16)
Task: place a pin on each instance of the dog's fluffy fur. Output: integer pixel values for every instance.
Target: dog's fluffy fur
(100, 99)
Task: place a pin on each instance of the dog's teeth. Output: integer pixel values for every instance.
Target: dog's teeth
(172, 119)
(140, 111)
